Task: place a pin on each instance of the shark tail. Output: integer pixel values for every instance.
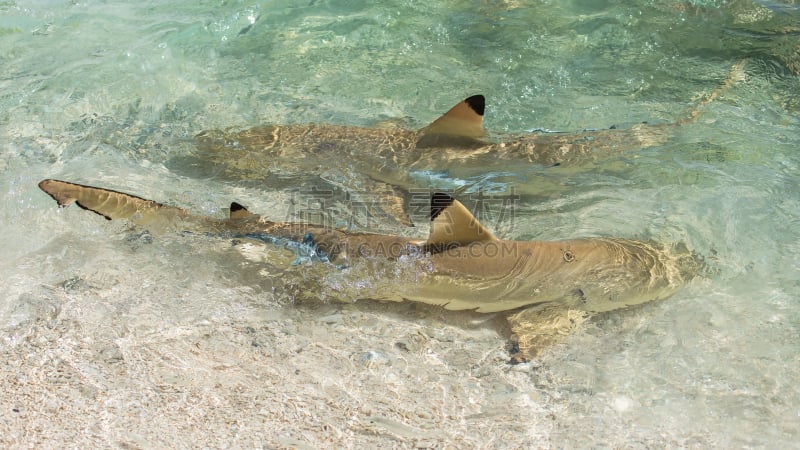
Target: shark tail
(735, 76)
(110, 204)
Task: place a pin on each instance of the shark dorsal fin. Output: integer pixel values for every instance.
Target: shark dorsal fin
(238, 211)
(452, 223)
(463, 120)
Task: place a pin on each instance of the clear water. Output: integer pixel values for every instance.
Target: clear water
(113, 337)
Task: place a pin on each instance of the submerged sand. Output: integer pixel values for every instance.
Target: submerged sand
(377, 376)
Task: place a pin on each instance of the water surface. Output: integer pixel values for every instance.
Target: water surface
(113, 336)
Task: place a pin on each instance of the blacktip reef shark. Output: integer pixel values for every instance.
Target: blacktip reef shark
(386, 160)
(544, 288)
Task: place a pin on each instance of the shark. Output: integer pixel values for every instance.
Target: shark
(391, 161)
(545, 289)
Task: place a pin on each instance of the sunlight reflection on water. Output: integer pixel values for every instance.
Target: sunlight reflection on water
(179, 337)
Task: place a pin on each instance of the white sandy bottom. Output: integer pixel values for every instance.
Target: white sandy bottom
(346, 376)
(115, 356)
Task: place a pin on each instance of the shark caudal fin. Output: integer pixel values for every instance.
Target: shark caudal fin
(453, 224)
(110, 204)
(736, 75)
(463, 122)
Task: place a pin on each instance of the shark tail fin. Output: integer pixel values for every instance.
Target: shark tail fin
(453, 224)
(736, 75)
(107, 203)
(462, 122)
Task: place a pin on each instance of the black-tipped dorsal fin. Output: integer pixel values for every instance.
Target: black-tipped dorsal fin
(238, 211)
(463, 120)
(452, 223)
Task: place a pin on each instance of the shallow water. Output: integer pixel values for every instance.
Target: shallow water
(113, 336)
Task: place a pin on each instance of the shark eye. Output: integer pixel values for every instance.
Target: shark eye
(569, 256)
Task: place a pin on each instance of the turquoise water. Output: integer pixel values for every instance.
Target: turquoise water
(115, 337)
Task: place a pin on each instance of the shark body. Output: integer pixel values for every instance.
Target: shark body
(390, 157)
(544, 287)
(456, 137)
(388, 161)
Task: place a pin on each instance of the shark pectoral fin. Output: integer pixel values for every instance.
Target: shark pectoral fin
(210, 140)
(453, 224)
(253, 139)
(463, 121)
(390, 200)
(109, 204)
(392, 124)
(538, 327)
